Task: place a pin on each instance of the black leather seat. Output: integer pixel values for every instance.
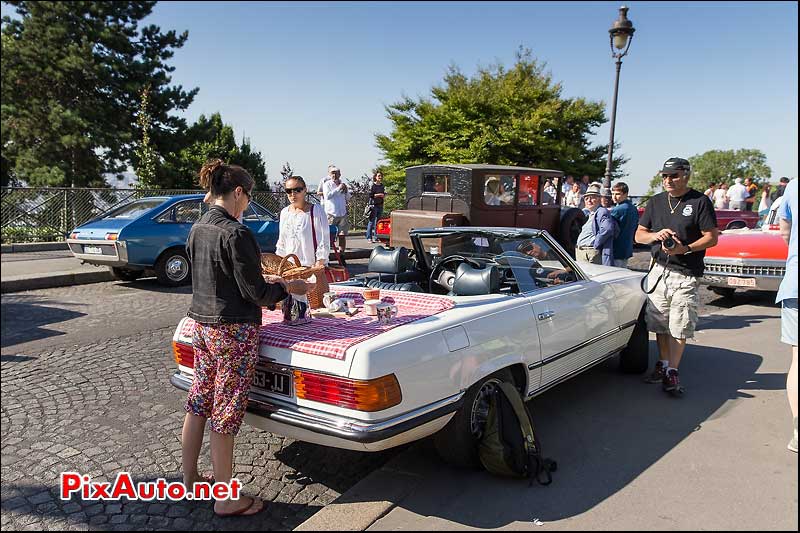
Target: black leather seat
(410, 287)
(385, 261)
(470, 281)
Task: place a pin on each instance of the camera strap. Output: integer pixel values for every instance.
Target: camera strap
(643, 283)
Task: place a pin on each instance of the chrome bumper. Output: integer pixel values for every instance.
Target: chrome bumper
(339, 426)
(117, 256)
(767, 274)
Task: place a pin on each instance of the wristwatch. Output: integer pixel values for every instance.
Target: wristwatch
(688, 250)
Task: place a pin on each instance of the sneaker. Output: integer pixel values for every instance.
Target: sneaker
(793, 443)
(658, 374)
(672, 383)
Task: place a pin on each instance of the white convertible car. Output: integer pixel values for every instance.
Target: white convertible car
(475, 306)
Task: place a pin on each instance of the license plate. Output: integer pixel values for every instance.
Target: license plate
(741, 282)
(272, 382)
(92, 250)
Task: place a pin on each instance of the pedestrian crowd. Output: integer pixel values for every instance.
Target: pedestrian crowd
(747, 196)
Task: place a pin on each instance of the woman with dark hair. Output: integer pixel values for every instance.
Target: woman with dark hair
(376, 194)
(228, 292)
(304, 229)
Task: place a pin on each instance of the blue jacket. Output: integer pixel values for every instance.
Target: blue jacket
(605, 230)
(628, 218)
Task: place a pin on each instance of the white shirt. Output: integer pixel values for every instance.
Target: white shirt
(737, 193)
(720, 202)
(295, 236)
(335, 198)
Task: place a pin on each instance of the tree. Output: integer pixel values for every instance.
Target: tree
(512, 117)
(145, 153)
(72, 74)
(209, 138)
(722, 165)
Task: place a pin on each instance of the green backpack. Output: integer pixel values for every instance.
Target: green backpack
(509, 446)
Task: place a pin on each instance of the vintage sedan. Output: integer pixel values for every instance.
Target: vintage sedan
(476, 306)
(151, 233)
(748, 258)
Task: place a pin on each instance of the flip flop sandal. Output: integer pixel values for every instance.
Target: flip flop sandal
(256, 506)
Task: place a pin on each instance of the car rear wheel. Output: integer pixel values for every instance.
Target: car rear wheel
(457, 442)
(635, 357)
(736, 224)
(125, 274)
(173, 268)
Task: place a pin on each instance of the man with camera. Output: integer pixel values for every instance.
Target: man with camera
(679, 224)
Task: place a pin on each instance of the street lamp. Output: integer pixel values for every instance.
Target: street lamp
(621, 35)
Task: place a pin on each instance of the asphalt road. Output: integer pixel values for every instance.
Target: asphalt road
(85, 387)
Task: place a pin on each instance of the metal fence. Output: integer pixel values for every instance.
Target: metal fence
(39, 214)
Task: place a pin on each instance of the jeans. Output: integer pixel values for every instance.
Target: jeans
(372, 225)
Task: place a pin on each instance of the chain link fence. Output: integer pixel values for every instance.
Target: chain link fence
(40, 214)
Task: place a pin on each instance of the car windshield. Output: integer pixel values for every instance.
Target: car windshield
(134, 209)
(529, 256)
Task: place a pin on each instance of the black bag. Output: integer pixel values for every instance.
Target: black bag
(509, 446)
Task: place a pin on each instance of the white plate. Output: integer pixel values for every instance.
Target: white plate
(741, 282)
(92, 250)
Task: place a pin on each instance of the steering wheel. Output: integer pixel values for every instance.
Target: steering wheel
(435, 271)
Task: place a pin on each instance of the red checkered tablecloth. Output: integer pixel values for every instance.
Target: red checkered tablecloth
(331, 337)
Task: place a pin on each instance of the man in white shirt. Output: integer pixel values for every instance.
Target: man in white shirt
(737, 195)
(335, 196)
(324, 179)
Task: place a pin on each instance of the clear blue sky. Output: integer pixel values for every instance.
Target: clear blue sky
(307, 82)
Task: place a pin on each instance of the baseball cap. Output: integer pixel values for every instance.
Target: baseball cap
(675, 164)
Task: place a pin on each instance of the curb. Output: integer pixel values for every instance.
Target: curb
(53, 279)
(33, 247)
(370, 499)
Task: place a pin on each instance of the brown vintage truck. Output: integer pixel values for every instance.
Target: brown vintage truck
(484, 195)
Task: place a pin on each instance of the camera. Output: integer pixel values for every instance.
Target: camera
(668, 243)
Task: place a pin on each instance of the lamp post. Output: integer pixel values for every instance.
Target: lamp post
(620, 35)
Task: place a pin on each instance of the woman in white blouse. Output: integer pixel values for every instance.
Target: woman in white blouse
(295, 235)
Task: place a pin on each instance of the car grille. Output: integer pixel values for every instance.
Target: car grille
(745, 270)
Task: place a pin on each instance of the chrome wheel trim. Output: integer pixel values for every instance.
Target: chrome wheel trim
(177, 268)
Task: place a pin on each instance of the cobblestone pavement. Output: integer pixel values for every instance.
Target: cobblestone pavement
(85, 388)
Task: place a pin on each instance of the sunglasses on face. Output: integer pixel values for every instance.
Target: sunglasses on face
(671, 176)
(296, 190)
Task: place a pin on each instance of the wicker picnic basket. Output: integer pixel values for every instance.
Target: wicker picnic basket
(273, 264)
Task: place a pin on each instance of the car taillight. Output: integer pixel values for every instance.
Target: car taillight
(384, 226)
(111, 236)
(370, 395)
(183, 354)
(73, 235)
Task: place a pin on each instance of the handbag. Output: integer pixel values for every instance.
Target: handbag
(332, 274)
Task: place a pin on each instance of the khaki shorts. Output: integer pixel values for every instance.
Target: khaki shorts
(588, 254)
(672, 308)
(341, 223)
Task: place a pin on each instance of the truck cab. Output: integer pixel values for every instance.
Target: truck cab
(488, 196)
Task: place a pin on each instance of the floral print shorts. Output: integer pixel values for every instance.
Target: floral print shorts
(225, 358)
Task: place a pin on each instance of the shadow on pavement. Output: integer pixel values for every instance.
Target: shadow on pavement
(604, 429)
(24, 317)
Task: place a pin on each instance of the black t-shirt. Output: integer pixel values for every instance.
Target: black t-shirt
(694, 213)
(377, 188)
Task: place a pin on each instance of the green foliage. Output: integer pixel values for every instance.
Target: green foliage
(714, 166)
(146, 154)
(511, 117)
(72, 73)
(209, 138)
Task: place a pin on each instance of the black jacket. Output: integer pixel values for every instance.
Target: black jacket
(227, 285)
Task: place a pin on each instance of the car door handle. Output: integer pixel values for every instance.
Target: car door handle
(546, 315)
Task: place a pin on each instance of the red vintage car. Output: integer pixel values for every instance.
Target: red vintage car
(747, 258)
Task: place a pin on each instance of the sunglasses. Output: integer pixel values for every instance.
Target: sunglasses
(296, 190)
(671, 176)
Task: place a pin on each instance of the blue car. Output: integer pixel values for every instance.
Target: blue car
(151, 233)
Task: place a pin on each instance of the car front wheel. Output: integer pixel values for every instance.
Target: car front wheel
(457, 442)
(173, 268)
(635, 357)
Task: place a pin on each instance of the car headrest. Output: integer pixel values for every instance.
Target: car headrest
(472, 281)
(384, 261)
